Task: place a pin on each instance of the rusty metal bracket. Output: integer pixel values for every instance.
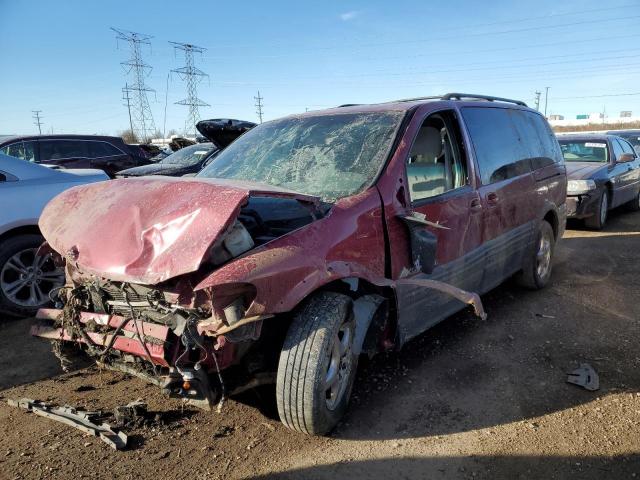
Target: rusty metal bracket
(80, 419)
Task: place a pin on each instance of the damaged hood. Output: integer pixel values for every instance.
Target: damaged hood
(146, 230)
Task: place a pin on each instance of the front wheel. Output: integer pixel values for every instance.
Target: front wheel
(317, 365)
(537, 267)
(599, 218)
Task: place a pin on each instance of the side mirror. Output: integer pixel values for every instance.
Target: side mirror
(423, 242)
(626, 157)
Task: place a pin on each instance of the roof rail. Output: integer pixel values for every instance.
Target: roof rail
(471, 96)
(348, 105)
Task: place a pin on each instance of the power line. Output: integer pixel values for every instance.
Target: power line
(192, 76)
(37, 118)
(142, 124)
(259, 106)
(599, 96)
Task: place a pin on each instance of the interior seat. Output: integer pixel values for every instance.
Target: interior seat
(425, 173)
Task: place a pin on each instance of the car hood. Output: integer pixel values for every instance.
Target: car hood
(583, 170)
(223, 131)
(146, 230)
(157, 169)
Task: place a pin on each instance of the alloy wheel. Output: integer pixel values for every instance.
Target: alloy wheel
(26, 279)
(543, 255)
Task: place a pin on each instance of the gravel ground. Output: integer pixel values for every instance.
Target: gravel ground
(468, 399)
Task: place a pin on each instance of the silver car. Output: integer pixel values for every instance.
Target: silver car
(25, 188)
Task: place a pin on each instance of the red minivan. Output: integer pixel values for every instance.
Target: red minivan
(310, 240)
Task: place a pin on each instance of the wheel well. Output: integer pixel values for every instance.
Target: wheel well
(552, 219)
(22, 230)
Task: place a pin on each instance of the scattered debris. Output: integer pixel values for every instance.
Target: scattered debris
(133, 414)
(585, 376)
(542, 315)
(223, 431)
(80, 419)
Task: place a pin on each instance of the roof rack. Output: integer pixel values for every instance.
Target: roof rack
(489, 98)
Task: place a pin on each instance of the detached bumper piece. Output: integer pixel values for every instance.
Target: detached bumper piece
(156, 337)
(583, 206)
(86, 422)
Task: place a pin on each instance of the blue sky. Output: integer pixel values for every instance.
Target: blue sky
(62, 58)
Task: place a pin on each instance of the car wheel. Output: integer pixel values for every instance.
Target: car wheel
(634, 205)
(26, 279)
(536, 271)
(597, 221)
(317, 365)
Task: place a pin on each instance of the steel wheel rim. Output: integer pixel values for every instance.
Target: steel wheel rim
(27, 279)
(543, 255)
(339, 367)
(604, 206)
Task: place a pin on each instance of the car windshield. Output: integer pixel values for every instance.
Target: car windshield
(584, 151)
(190, 155)
(329, 156)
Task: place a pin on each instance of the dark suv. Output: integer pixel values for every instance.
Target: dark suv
(109, 154)
(309, 240)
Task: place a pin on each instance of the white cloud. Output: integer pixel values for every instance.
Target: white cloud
(346, 16)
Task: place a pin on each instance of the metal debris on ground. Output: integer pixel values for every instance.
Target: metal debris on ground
(82, 420)
(585, 376)
(133, 414)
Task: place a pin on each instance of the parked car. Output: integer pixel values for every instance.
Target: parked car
(309, 240)
(603, 172)
(25, 188)
(191, 159)
(631, 136)
(186, 160)
(109, 154)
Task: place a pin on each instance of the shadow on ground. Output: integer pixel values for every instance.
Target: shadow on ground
(476, 467)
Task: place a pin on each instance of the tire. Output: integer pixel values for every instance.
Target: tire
(599, 218)
(26, 280)
(317, 345)
(634, 205)
(536, 271)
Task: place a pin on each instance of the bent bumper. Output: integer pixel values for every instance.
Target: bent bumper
(582, 206)
(100, 328)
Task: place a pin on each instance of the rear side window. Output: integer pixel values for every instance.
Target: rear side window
(617, 148)
(21, 150)
(501, 151)
(102, 149)
(61, 149)
(542, 143)
(626, 147)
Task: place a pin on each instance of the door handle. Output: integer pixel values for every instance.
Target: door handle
(492, 198)
(475, 205)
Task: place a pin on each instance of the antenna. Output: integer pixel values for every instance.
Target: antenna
(259, 106)
(192, 76)
(141, 122)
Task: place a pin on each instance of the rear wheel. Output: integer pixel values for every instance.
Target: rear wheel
(598, 220)
(25, 278)
(317, 365)
(536, 271)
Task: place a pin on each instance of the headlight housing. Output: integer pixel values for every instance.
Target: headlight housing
(579, 187)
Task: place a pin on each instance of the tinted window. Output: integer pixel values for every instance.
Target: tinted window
(60, 149)
(21, 150)
(617, 148)
(546, 150)
(102, 149)
(501, 151)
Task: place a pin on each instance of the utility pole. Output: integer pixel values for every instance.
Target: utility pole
(546, 100)
(125, 96)
(37, 118)
(259, 106)
(142, 124)
(192, 76)
(538, 93)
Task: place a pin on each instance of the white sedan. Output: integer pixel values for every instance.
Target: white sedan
(25, 188)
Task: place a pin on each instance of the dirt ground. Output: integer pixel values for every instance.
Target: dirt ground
(469, 399)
